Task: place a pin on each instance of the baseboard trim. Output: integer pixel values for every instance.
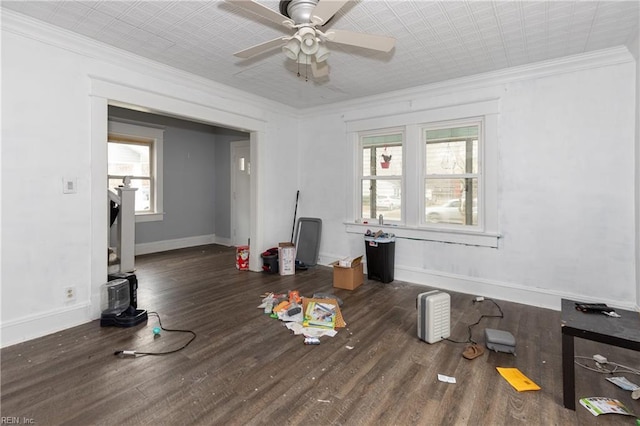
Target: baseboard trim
(512, 292)
(222, 241)
(34, 326)
(178, 243)
(474, 286)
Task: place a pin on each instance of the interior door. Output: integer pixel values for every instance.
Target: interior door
(240, 192)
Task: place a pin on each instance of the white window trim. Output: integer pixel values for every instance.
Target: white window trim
(413, 226)
(360, 172)
(125, 128)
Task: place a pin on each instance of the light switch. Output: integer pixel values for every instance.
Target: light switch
(69, 185)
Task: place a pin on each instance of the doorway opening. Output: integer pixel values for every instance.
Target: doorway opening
(105, 94)
(197, 183)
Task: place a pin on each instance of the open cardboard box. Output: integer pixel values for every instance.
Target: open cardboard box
(348, 277)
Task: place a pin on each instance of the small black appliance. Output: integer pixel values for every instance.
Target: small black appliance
(121, 301)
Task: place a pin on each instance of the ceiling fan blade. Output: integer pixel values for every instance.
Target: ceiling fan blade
(368, 41)
(264, 11)
(319, 70)
(260, 48)
(325, 9)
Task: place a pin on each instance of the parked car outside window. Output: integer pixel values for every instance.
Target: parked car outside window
(387, 202)
(450, 212)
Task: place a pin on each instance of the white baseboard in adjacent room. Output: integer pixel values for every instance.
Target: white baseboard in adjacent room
(166, 245)
(222, 241)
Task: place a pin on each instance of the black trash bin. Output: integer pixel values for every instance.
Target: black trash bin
(381, 253)
(270, 261)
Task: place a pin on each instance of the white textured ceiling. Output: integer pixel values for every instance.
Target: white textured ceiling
(436, 40)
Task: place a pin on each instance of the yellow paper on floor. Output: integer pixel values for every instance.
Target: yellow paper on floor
(516, 379)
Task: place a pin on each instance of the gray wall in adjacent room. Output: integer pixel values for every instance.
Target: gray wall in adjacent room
(196, 178)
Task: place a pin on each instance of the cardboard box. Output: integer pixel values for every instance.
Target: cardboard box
(348, 277)
(287, 258)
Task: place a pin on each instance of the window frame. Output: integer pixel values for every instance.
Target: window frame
(362, 177)
(413, 227)
(449, 124)
(125, 131)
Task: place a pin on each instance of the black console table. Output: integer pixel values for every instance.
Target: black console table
(623, 332)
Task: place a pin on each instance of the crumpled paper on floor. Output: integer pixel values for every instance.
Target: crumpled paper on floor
(298, 328)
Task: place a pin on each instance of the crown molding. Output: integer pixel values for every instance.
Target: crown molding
(403, 98)
(25, 26)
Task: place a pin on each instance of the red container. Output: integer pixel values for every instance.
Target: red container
(242, 258)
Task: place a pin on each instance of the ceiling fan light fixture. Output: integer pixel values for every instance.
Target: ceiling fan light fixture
(292, 49)
(308, 40)
(322, 54)
(309, 46)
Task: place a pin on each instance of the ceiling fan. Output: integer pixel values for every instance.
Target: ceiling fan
(307, 45)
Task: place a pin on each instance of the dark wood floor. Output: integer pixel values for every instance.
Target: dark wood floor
(246, 368)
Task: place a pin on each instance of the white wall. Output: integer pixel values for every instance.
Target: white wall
(55, 89)
(566, 183)
(634, 48)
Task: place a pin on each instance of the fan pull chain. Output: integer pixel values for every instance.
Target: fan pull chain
(306, 74)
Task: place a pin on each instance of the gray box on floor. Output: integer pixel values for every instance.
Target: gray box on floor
(499, 340)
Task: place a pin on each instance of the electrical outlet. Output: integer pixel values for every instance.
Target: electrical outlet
(69, 293)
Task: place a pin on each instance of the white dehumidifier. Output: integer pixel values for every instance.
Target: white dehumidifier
(434, 316)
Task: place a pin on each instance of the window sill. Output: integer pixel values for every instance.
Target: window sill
(149, 217)
(453, 236)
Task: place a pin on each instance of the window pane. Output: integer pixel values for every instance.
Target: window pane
(382, 155)
(129, 159)
(386, 196)
(452, 151)
(447, 201)
(143, 194)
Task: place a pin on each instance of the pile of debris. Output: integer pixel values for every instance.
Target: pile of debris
(311, 317)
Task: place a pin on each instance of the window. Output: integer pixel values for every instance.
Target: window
(451, 173)
(381, 175)
(129, 158)
(136, 151)
(444, 186)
